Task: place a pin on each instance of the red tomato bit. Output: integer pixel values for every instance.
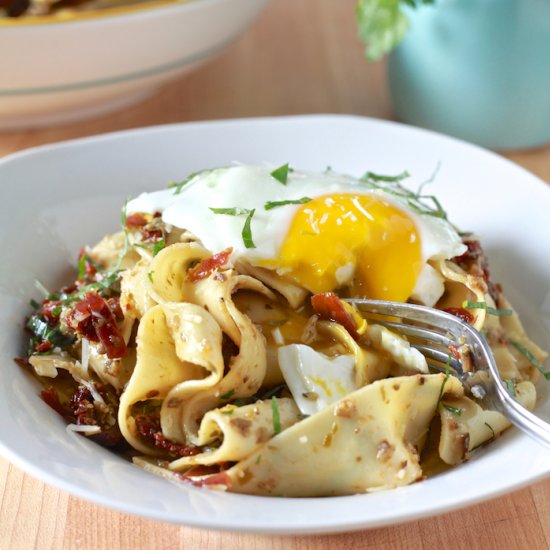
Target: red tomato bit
(473, 252)
(461, 313)
(89, 268)
(51, 310)
(149, 429)
(135, 220)
(475, 258)
(94, 319)
(208, 265)
(43, 347)
(455, 351)
(329, 306)
(50, 396)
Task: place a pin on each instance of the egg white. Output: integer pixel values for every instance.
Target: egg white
(251, 187)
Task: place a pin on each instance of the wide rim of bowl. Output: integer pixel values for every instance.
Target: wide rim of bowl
(68, 18)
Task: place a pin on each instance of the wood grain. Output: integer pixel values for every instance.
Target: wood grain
(300, 56)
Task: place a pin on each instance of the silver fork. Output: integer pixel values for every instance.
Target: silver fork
(434, 331)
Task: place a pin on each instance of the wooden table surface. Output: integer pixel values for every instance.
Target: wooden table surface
(300, 56)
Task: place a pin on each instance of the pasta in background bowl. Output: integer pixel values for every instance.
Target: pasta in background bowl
(60, 228)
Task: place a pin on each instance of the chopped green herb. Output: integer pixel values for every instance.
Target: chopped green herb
(82, 267)
(379, 177)
(276, 417)
(258, 459)
(416, 201)
(429, 180)
(281, 173)
(447, 374)
(227, 394)
(43, 331)
(490, 310)
(247, 232)
(234, 211)
(56, 311)
(34, 304)
(455, 410)
(491, 428)
(150, 275)
(102, 286)
(180, 185)
(531, 358)
(105, 283)
(239, 402)
(237, 211)
(510, 387)
(154, 247)
(274, 204)
(158, 246)
(123, 212)
(228, 411)
(438, 211)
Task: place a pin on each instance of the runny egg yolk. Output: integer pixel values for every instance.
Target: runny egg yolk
(360, 241)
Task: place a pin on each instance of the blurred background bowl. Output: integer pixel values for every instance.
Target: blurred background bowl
(73, 65)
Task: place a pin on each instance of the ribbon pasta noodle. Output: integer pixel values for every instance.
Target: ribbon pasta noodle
(210, 340)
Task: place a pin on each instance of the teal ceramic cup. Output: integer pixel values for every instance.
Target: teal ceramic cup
(478, 70)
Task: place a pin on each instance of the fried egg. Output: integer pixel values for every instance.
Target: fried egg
(321, 231)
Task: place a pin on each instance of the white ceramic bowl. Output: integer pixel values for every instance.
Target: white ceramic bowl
(57, 70)
(59, 197)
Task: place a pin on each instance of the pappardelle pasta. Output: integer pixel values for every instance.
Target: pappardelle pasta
(209, 339)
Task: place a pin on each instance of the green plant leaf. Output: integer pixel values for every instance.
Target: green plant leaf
(382, 24)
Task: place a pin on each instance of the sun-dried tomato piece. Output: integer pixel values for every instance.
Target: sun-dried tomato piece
(474, 260)
(329, 306)
(51, 310)
(81, 403)
(50, 396)
(473, 252)
(90, 268)
(152, 235)
(455, 351)
(461, 313)
(148, 427)
(43, 347)
(68, 289)
(208, 265)
(94, 319)
(80, 320)
(114, 306)
(86, 413)
(136, 220)
(23, 363)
